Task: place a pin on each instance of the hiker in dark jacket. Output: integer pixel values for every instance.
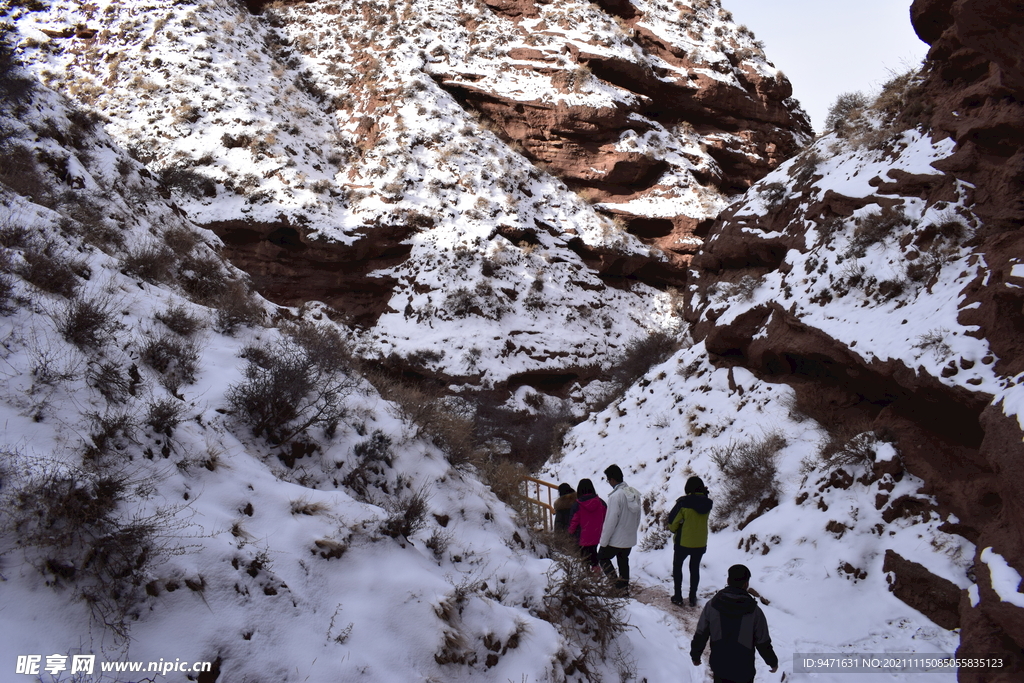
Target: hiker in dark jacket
(736, 626)
(588, 519)
(688, 520)
(563, 507)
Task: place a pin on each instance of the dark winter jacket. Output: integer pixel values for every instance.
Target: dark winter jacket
(588, 518)
(735, 625)
(563, 511)
(688, 520)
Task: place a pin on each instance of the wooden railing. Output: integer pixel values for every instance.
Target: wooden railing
(539, 497)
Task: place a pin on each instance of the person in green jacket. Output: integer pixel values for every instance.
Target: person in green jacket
(688, 520)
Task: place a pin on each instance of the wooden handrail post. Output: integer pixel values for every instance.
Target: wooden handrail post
(536, 503)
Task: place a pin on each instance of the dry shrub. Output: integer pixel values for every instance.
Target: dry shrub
(72, 527)
(164, 414)
(844, 446)
(153, 263)
(188, 182)
(6, 294)
(52, 272)
(505, 479)
(13, 235)
(532, 438)
(373, 457)
(175, 358)
(106, 376)
(641, 354)
(773, 194)
(407, 513)
(580, 605)
(179, 320)
(439, 542)
(289, 388)
(114, 430)
(749, 474)
(182, 240)
(447, 421)
(203, 277)
(877, 226)
(237, 306)
(20, 171)
(15, 86)
(848, 107)
(87, 323)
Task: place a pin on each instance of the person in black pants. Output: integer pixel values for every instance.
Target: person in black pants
(688, 520)
(736, 627)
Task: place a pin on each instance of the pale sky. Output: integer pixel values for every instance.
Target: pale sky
(828, 47)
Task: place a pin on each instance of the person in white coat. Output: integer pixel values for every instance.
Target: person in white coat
(618, 536)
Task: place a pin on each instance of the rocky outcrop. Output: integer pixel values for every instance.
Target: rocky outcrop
(739, 114)
(291, 269)
(952, 428)
(931, 595)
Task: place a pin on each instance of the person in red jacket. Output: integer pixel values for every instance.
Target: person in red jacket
(588, 519)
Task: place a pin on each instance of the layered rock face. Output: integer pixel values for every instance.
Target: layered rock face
(514, 183)
(879, 275)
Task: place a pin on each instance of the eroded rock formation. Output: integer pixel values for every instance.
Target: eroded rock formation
(952, 427)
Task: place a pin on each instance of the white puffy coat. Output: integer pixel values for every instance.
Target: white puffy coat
(622, 519)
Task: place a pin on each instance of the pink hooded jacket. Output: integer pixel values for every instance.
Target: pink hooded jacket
(589, 519)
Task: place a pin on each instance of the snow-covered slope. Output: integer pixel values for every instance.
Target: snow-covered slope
(852, 398)
(146, 520)
(815, 541)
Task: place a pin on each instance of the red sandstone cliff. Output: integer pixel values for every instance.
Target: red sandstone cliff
(894, 222)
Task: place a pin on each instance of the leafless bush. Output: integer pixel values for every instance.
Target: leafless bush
(828, 227)
(20, 171)
(373, 457)
(842, 448)
(641, 354)
(439, 542)
(188, 182)
(237, 306)
(935, 341)
(773, 194)
(307, 507)
(407, 513)
(153, 263)
(13, 235)
(72, 527)
(203, 277)
(288, 389)
(877, 226)
(15, 85)
(928, 266)
(106, 376)
(579, 604)
(164, 414)
(447, 422)
(50, 271)
(749, 473)
(847, 107)
(178, 319)
(181, 240)
(746, 287)
(86, 323)
(113, 430)
(6, 294)
(175, 358)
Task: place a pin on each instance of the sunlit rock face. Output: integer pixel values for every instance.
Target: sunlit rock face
(879, 274)
(516, 183)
